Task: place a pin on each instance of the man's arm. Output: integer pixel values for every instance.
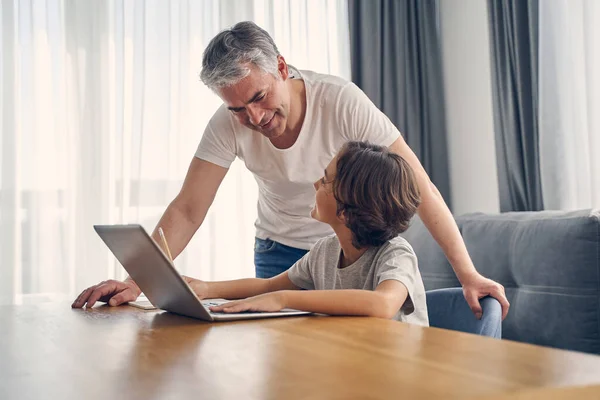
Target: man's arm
(179, 222)
(436, 216)
(384, 302)
(187, 211)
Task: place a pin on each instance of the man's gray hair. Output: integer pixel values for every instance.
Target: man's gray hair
(229, 55)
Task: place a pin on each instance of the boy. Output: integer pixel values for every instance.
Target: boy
(368, 195)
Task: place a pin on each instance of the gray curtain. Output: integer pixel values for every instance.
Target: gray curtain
(397, 62)
(514, 46)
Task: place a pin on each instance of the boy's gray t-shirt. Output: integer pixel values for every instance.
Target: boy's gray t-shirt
(395, 259)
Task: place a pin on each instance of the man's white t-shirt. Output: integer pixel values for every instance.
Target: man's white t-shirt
(337, 111)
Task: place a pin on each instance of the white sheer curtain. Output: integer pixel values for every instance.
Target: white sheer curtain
(569, 71)
(101, 113)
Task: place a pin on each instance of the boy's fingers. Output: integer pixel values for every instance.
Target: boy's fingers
(217, 308)
(236, 308)
(226, 307)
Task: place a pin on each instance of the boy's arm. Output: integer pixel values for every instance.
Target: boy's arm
(384, 302)
(240, 288)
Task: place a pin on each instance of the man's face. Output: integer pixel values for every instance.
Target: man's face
(260, 101)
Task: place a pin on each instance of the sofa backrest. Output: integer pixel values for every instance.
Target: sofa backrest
(548, 262)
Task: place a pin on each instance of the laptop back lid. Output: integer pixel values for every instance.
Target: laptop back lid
(150, 268)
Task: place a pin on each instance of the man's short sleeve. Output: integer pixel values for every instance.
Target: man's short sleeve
(399, 263)
(218, 144)
(300, 275)
(362, 120)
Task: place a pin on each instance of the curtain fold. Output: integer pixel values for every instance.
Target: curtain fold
(397, 61)
(102, 111)
(569, 103)
(514, 47)
(10, 194)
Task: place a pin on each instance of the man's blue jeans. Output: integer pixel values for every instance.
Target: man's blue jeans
(272, 258)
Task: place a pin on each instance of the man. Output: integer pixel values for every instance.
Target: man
(287, 125)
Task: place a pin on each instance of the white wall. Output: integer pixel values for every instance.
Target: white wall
(467, 76)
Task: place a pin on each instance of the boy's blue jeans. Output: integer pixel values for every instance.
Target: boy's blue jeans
(272, 258)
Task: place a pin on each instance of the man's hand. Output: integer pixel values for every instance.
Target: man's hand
(113, 292)
(199, 287)
(268, 302)
(477, 287)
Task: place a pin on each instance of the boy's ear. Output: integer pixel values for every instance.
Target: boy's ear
(342, 217)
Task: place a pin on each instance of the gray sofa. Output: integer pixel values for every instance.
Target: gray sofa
(549, 263)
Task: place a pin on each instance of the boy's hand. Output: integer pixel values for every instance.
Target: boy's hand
(199, 287)
(268, 302)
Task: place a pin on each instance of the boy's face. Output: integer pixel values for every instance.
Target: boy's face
(325, 209)
(260, 101)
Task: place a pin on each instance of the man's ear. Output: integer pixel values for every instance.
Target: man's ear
(282, 67)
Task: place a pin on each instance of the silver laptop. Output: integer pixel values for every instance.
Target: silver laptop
(158, 279)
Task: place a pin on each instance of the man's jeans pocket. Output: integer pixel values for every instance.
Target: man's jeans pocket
(272, 258)
(264, 245)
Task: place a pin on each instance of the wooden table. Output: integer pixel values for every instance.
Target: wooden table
(591, 392)
(50, 351)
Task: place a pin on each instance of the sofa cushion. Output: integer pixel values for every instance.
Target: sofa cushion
(549, 263)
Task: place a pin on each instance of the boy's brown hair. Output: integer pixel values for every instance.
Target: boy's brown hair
(376, 191)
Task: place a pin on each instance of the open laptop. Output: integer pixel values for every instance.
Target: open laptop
(158, 279)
